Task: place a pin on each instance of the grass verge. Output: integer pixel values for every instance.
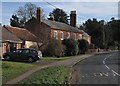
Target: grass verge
(51, 75)
(11, 70)
(58, 59)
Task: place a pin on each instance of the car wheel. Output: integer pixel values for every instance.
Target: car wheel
(7, 58)
(30, 60)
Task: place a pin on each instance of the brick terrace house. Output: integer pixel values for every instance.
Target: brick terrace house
(54, 29)
(9, 41)
(14, 38)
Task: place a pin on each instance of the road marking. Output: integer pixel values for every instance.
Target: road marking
(115, 73)
(109, 67)
(105, 74)
(100, 75)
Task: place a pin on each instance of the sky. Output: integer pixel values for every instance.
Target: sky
(86, 9)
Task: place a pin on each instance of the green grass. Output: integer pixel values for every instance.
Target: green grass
(11, 70)
(51, 75)
(58, 59)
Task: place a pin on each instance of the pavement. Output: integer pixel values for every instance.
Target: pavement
(102, 69)
(68, 62)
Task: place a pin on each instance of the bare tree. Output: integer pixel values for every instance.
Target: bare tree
(27, 12)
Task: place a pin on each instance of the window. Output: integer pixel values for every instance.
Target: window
(19, 50)
(61, 35)
(80, 36)
(33, 51)
(74, 36)
(13, 46)
(25, 51)
(68, 35)
(55, 35)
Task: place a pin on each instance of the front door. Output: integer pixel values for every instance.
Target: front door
(13, 46)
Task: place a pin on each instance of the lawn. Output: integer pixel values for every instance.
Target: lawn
(58, 59)
(11, 70)
(51, 75)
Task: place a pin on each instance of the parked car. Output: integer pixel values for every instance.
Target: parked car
(23, 54)
(40, 54)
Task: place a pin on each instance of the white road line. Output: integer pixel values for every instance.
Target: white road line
(115, 73)
(109, 67)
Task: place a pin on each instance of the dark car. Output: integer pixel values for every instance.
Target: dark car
(23, 54)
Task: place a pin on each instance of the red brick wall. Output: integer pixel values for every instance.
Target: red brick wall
(65, 34)
(6, 47)
(87, 38)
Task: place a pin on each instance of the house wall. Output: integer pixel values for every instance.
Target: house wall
(6, 46)
(28, 44)
(45, 31)
(1, 50)
(65, 34)
(58, 31)
(87, 38)
(19, 45)
(49, 33)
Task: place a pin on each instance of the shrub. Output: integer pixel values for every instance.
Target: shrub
(53, 48)
(91, 46)
(83, 46)
(70, 47)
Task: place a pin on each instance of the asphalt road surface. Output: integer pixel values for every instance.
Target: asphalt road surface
(99, 69)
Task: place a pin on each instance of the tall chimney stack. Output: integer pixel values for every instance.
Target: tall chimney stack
(73, 18)
(39, 15)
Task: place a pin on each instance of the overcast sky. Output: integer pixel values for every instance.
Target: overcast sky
(85, 8)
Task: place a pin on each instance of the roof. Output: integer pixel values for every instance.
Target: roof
(54, 25)
(8, 36)
(60, 26)
(63, 26)
(22, 33)
(84, 33)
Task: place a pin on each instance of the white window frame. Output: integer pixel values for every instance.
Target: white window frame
(68, 35)
(55, 34)
(80, 36)
(74, 36)
(61, 35)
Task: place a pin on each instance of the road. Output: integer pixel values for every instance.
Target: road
(99, 69)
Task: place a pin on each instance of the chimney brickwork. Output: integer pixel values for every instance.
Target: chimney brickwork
(73, 18)
(39, 15)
